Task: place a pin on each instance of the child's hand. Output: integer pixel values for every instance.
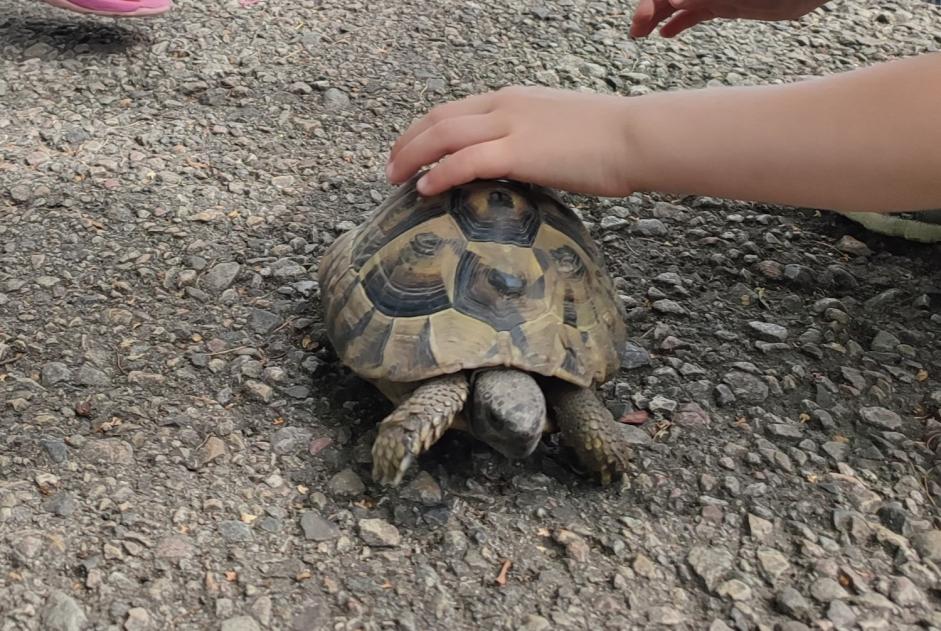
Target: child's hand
(683, 14)
(561, 139)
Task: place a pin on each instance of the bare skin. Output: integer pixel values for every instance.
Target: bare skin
(865, 140)
(678, 15)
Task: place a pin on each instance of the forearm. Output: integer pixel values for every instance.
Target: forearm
(866, 140)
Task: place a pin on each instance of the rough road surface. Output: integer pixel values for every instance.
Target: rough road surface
(180, 451)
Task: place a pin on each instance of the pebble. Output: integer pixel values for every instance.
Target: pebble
(670, 307)
(853, 246)
(880, 417)
(650, 227)
(107, 451)
(290, 440)
(379, 533)
(711, 564)
(88, 375)
(138, 619)
(334, 100)
(735, 590)
(423, 489)
(773, 563)
(884, 342)
(575, 546)
(61, 612)
(792, 603)
(221, 276)
(769, 331)
(633, 356)
(346, 483)
(239, 623)
(316, 528)
(533, 622)
(235, 531)
(55, 372)
(928, 545)
(841, 615)
(826, 589)
(746, 387)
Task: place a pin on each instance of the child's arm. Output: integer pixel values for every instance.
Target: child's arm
(866, 140)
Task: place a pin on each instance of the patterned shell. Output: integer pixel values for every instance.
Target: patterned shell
(493, 273)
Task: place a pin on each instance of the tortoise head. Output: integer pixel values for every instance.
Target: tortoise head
(508, 411)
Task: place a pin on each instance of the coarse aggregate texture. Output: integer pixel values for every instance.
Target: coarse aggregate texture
(179, 449)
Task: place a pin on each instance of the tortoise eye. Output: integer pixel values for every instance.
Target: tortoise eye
(426, 244)
(506, 284)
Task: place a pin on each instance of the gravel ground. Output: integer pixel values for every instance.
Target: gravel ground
(179, 450)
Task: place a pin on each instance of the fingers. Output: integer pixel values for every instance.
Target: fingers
(649, 14)
(449, 136)
(475, 104)
(683, 20)
(488, 160)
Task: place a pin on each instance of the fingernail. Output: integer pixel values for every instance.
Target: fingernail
(389, 171)
(422, 185)
(678, 4)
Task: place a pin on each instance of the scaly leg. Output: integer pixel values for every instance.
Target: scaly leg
(590, 429)
(416, 425)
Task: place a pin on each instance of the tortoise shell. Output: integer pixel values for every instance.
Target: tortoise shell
(492, 273)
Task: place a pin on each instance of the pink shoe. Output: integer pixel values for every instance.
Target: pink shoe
(114, 8)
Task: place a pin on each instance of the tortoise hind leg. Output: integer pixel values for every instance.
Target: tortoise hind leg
(589, 428)
(415, 425)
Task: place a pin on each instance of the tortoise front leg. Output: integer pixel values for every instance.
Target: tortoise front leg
(416, 425)
(589, 428)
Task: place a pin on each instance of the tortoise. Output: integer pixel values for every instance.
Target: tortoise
(486, 308)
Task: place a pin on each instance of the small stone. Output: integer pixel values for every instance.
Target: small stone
(334, 99)
(669, 307)
(259, 391)
(880, 417)
(88, 375)
(841, 615)
(240, 623)
(691, 415)
(62, 613)
(894, 516)
(710, 564)
(759, 528)
(769, 331)
(138, 619)
(746, 387)
(662, 405)
(210, 450)
(221, 276)
(174, 548)
(826, 590)
(61, 504)
(773, 563)
(905, 593)
(884, 342)
(532, 622)
(235, 531)
(290, 440)
(424, 489)
(263, 321)
(665, 616)
(734, 590)
(928, 545)
(633, 356)
(575, 546)
(836, 450)
(55, 372)
(379, 533)
(346, 483)
(107, 451)
(316, 528)
(792, 603)
(853, 246)
(650, 227)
